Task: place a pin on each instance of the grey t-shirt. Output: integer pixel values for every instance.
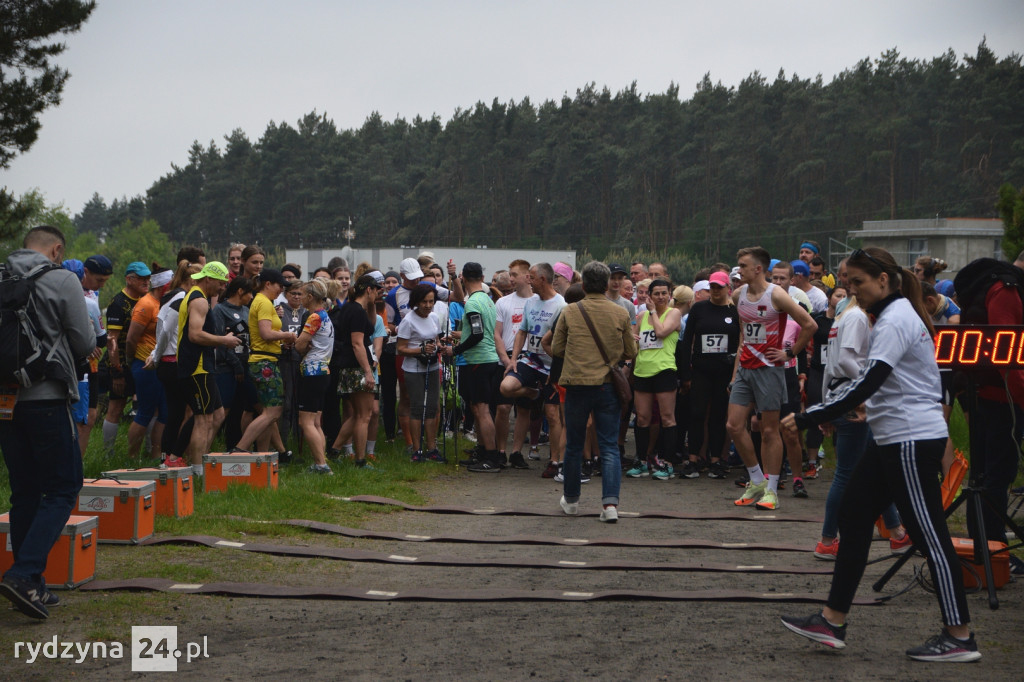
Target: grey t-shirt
(628, 306)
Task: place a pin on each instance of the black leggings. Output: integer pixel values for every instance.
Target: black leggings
(388, 393)
(907, 474)
(175, 439)
(330, 419)
(709, 404)
(813, 388)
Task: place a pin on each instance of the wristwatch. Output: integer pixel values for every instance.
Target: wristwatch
(789, 353)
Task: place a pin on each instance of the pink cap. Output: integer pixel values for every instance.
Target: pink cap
(563, 270)
(719, 278)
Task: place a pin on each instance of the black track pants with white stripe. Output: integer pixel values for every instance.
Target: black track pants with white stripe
(907, 474)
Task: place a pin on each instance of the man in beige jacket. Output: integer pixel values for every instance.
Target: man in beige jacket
(588, 388)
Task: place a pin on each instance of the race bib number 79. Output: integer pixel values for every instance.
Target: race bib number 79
(649, 339)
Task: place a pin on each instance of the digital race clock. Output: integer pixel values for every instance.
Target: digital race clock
(988, 346)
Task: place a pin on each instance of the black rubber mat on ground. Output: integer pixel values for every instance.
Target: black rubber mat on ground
(439, 594)
(675, 543)
(349, 554)
(708, 515)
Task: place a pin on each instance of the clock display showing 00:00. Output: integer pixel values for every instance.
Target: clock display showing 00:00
(979, 346)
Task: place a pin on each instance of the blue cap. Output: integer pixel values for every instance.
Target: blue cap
(944, 287)
(75, 266)
(800, 268)
(773, 263)
(100, 265)
(137, 268)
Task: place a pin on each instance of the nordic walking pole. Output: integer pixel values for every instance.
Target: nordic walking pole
(426, 390)
(443, 392)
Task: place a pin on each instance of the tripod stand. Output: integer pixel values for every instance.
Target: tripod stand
(974, 495)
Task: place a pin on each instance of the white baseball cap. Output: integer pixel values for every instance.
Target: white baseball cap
(702, 285)
(410, 268)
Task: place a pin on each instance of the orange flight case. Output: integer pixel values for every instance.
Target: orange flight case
(174, 492)
(1000, 563)
(72, 561)
(254, 469)
(125, 509)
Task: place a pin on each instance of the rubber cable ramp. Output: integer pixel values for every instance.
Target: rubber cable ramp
(230, 589)
(492, 511)
(348, 554)
(676, 543)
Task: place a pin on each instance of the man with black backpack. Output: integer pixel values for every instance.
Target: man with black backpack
(37, 435)
(991, 291)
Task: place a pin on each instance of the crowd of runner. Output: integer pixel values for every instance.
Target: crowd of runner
(338, 354)
(342, 354)
(748, 366)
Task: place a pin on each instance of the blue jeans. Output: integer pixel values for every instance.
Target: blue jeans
(580, 403)
(851, 440)
(40, 447)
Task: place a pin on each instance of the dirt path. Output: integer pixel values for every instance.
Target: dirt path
(258, 639)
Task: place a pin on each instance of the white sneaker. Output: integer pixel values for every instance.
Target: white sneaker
(609, 514)
(570, 508)
(534, 453)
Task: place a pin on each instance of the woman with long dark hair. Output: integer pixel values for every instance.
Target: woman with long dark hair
(353, 360)
(253, 258)
(846, 350)
(901, 390)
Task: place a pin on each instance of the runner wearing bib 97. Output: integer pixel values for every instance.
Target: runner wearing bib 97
(759, 378)
(654, 378)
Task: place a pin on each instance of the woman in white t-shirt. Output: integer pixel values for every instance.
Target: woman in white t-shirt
(901, 391)
(847, 351)
(418, 346)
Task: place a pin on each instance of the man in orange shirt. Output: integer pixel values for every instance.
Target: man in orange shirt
(140, 342)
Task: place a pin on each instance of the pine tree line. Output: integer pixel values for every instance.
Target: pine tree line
(771, 161)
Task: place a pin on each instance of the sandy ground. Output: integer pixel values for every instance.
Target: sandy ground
(644, 640)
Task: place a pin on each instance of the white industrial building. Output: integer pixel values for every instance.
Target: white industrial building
(958, 241)
(386, 259)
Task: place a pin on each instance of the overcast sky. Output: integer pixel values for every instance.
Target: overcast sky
(150, 76)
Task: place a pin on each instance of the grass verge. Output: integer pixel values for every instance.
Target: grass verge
(239, 513)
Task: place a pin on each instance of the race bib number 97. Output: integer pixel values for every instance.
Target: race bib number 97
(755, 332)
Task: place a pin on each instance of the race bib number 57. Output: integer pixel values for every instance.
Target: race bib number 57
(715, 343)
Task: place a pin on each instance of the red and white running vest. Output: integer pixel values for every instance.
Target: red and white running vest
(763, 327)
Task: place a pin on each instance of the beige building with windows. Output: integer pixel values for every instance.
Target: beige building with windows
(958, 241)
